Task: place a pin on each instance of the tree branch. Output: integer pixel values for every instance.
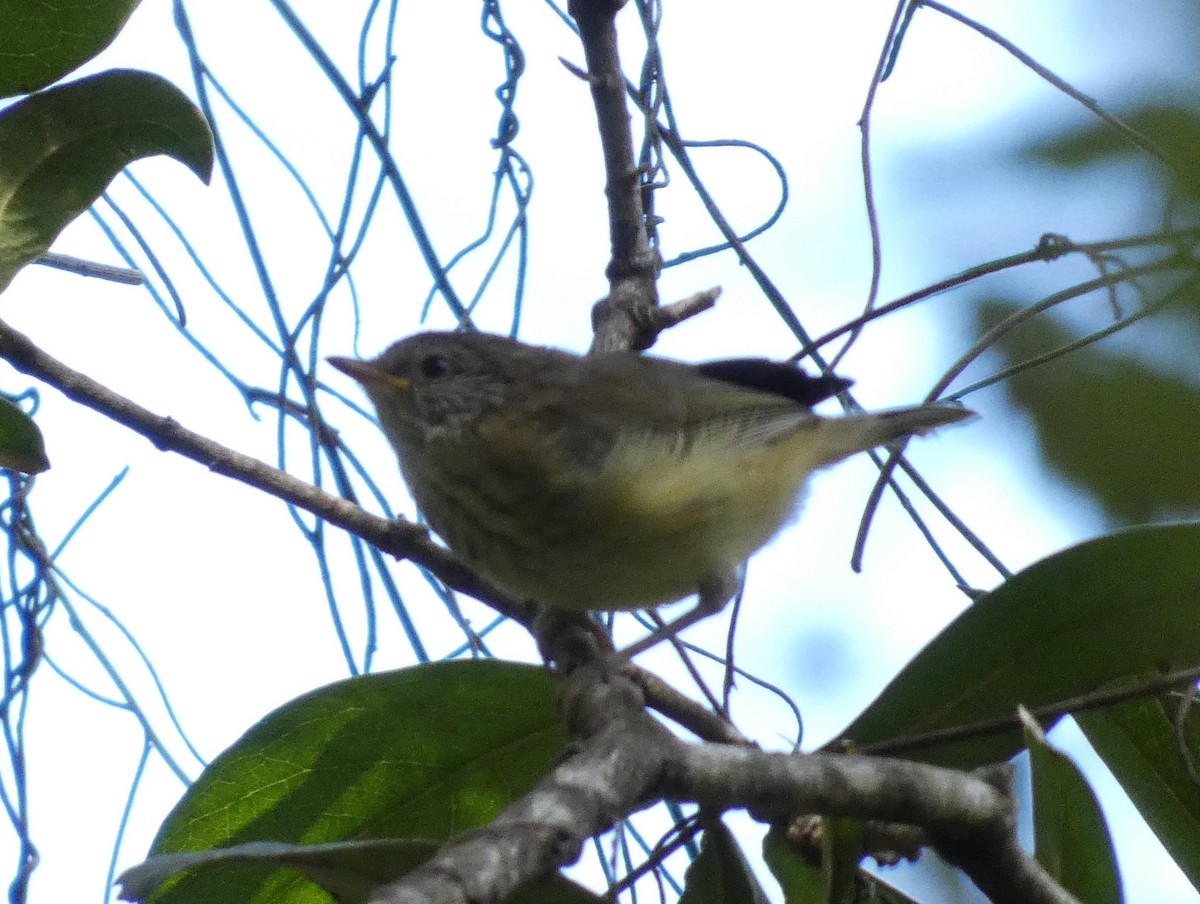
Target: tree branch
(603, 778)
(398, 538)
(623, 760)
(622, 320)
(1046, 715)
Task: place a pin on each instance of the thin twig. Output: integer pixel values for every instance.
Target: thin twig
(1149, 310)
(1044, 714)
(1132, 135)
(1049, 248)
(864, 126)
(989, 338)
(1044, 251)
(399, 538)
(124, 275)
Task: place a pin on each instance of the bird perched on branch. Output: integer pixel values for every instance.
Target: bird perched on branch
(616, 481)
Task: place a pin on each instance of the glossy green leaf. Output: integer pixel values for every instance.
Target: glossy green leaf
(348, 871)
(1112, 424)
(60, 149)
(1071, 839)
(721, 873)
(1102, 611)
(1139, 745)
(21, 445)
(422, 753)
(41, 42)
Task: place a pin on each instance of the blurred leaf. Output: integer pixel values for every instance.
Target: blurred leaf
(422, 753)
(843, 849)
(1175, 130)
(1138, 744)
(60, 149)
(41, 42)
(1071, 839)
(1109, 423)
(21, 445)
(802, 881)
(349, 871)
(1083, 618)
(720, 874)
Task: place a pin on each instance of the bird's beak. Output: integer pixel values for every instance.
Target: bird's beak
(367, 374)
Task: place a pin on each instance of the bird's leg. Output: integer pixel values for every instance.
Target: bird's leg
(714, 592)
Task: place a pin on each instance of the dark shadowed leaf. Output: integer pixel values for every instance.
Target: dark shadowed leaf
(1071, 839)
(422, 753)
(802, 881)
(805, 882)
(843, 843)
(41, 42)
(60, 149)
(21, 445)
(1106, 610)
(1139, 744)
(720, 874)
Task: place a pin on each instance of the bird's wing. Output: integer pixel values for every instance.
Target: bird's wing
(659, 396)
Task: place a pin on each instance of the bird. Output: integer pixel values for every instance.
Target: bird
(616, 481)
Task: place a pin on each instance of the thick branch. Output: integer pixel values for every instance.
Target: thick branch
(599, 782)
(624, 760)
(773, 786)
(1004, 872)
(968, 818)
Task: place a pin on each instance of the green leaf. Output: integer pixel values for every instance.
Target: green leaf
(805, 882)
(60, 149)
(1174, 130)
(422, 753)
(721, 874)
(1111, 424)
(348, 871)
(802, 881)
(842, 852)
(21, 445)
(41, 42)
(1102, 611)
(1071, 839)
(1138, 743)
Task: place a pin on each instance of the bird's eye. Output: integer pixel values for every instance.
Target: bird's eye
(435, 366)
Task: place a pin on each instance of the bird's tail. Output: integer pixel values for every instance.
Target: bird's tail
(844, 436)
